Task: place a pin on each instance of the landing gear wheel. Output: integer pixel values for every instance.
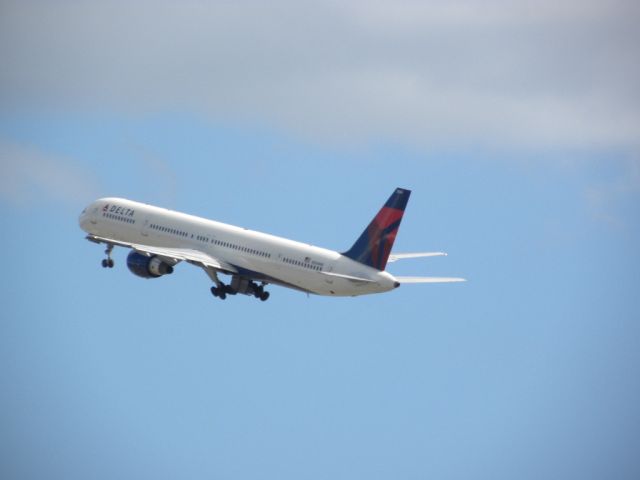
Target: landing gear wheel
(264, 296)
(218, 292)
(108, 262)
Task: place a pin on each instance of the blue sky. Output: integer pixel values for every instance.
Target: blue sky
(517, 131)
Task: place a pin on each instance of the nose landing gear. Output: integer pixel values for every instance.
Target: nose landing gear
(108, 262)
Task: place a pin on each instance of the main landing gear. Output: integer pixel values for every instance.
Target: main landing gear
(239, 284)
(261, 293)
(108, 262)
(221, 291)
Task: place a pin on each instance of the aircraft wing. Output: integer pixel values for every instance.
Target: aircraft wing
(429, 279)
(401, 256)
(172, 255)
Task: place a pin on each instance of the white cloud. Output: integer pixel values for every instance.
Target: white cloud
(427, 73)
(30, 176)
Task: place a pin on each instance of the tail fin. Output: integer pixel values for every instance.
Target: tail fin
(374, 245)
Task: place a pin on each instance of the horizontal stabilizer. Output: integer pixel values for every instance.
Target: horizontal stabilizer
(348, 277)
(401, 256)
(429, 279)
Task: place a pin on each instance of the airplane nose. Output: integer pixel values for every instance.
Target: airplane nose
(82, 220)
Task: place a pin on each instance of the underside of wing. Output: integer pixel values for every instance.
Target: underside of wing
(401, 256)
(189, 255)
(429, 279)
(172, 255)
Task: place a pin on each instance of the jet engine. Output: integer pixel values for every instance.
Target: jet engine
(147, 267)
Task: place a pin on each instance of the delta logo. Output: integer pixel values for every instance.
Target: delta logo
(117, 210)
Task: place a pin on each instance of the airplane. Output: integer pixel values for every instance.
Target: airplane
(160, 238)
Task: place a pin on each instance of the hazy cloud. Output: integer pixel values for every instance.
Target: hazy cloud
(30, 176)
(157, 170)
(426, 73)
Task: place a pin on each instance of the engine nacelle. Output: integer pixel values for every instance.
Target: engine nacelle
(147, 267)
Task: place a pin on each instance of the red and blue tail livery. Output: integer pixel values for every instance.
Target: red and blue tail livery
(374, 245)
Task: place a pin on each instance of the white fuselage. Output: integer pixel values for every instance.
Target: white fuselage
(279, 260)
